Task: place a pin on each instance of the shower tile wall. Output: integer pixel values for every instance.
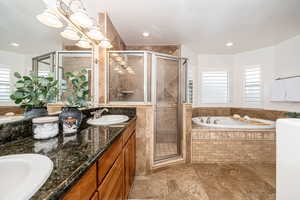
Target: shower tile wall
(125, 86)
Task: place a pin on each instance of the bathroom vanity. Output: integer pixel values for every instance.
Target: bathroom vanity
(96, 163)
(111, 176)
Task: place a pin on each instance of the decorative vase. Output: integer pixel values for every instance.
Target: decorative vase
(70, 118)
(32, 112)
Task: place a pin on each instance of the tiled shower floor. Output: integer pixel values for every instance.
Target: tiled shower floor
(207, 182)
(165, 149)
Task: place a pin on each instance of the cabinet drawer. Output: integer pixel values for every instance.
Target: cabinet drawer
(128, 132)
(85, 187)
(108, 159)
(112, 186)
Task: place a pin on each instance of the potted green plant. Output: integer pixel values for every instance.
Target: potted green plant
(292, 115)
(71, 116)
(33, 92)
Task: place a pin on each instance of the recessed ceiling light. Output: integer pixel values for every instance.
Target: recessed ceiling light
(146, 34)
(14, 44)
(229, 44)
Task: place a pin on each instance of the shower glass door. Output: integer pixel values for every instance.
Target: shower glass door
(167, 97)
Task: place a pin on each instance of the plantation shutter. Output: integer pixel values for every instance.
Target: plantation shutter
(4, 83)
(252, 91)
(214, 87)
(190, 91)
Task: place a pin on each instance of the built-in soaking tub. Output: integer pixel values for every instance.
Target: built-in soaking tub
(228, 122)
(232, 140)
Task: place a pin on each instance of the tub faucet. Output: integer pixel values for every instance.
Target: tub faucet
(98, 113)
(216, 121)
(208, 120)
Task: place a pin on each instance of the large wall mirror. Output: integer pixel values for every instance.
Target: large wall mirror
(26, 46)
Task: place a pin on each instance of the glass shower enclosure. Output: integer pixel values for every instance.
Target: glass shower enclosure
(57, 63)
(145, 77)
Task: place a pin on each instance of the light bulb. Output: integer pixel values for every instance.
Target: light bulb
(105, 44)
(83, 43)
(70, 33)
(49, 18)
(95, 33)
(81, 18)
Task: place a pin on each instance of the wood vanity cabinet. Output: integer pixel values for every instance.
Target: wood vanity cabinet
(129, 164)
(85, 187)
(112, 176)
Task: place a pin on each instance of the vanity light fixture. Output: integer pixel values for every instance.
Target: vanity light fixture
(14, 44)
(49, 18)
(81, 18)
(95, 33)
(120, 72)
(146, 34)
(84, 43)
(70, 33)
(229, 44)
(74, 13)
(119, 58)
(105, 44)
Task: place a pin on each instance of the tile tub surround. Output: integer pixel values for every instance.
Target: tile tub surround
(229, 111)
(207, 182)
(232, 146)
(72, 155)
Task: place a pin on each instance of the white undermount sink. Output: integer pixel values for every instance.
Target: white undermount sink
(106, 120)
(22, 175)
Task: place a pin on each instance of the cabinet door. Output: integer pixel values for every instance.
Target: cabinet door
(108, 158)
(133, 157)
(129, 165)
(112, 185)
(85, 187)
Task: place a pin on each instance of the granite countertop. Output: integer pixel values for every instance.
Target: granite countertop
(72, 155)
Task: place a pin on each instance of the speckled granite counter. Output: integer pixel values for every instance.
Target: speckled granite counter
(72, 155)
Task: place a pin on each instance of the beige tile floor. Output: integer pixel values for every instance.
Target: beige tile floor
(207, 182)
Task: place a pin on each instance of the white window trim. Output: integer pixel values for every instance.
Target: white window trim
(9, 84)
(244, 101)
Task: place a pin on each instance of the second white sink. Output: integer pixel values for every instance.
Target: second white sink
(106, 120)
(22, 175)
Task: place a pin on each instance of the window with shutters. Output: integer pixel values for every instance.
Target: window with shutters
(190, 91)
(252, 85)
(214, 87)
(4, 83)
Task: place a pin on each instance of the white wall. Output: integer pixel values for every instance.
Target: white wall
(280, 60)
(17, 63)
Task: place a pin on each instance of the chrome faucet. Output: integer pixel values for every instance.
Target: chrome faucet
(208, 120)
(98, 113)
(216, 121)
